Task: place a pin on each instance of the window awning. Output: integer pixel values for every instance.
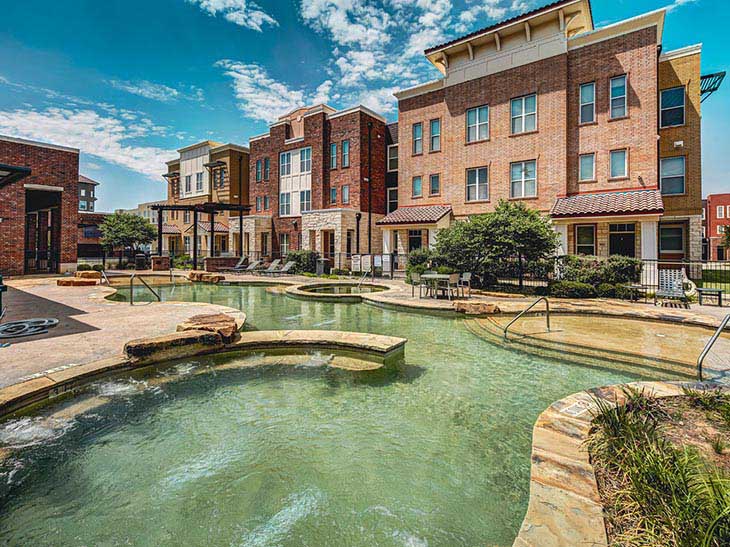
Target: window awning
(420, 214)
(609, 203)
(12, 173)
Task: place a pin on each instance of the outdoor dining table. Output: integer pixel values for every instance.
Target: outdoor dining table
(433, 279)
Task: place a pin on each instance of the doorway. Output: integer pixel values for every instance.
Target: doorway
(42, 231)
(622, 239)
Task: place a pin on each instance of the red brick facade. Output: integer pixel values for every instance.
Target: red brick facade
(717, 205)
(50, 166)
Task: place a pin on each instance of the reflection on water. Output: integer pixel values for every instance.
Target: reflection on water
(212, 451)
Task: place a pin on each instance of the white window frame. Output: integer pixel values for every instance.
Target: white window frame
(390, 200)
(333, 155)
(432, 136)
(593, 168)
(284, 204)
(683, 107)
(581, 104)
(199, 181)
(430, 184)
(720, 230)
(522, 180)
(267, 168)
(477, 184)
(345, 191)
(305, 201)
(522, 116)
(479, 123)
(258, 204)
(284, 164)
(259, 170)
(720, 211)
(345, 160)
(413, 187)
(660, 239)
(188, 184)
(186, 243)
(305, 160)
(595, 236)
(611, 176)
(662, 177)
(417, 141)
(186, 217)
(333, 194)
(611, 97)
(284, 244)
(267, 203)
(392, 147)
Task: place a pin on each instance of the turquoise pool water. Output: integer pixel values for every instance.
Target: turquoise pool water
(437, 453)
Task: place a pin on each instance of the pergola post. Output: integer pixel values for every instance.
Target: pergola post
(195, 239)
(211, 251)
(159, 232)
(240, 232)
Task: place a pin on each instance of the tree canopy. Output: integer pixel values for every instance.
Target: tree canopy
(725, 241)
(126, 230)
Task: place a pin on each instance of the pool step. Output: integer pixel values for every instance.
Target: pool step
(488, 329)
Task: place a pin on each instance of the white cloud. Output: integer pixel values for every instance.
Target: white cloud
(102, 136)
(157, 92)
(349, 22)
(241, 12)
(679, 3)
(492, 9)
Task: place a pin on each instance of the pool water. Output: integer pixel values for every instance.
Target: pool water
(344, 289)
(206, 452)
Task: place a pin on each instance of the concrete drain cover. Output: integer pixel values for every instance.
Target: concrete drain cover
(28, 327)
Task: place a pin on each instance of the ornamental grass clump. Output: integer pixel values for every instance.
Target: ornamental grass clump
(655, 494)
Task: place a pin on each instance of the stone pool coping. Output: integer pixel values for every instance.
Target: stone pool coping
(374, 351)
(565, 507)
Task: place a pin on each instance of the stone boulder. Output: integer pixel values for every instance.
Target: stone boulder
(177, 345)
(219, 323)
(88, 275)
(196, 275)
(477, 308)
(75, 282)
(213, 278)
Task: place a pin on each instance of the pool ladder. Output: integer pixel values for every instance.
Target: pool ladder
(528, 308)
(131, 288)
(709, 344)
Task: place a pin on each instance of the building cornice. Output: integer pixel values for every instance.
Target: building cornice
(645, 20)
(428, 87)
(358, 108)
(210, 144)
(39, 144)
(229, 146)
(694, 49)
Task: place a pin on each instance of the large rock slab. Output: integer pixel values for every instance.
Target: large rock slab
(477, 308)
(220, 323)
(172, 346)
(89, 274)
(196, 275)
(75, 282)
(212, 278)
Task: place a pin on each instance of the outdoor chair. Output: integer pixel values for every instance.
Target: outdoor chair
(251, 268)
(450, 286)
(240, 266)
(465, 283)
(284, 270)
(272, 267)
(671, 286)
(416, 281)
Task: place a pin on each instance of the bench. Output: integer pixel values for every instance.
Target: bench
(714, 293)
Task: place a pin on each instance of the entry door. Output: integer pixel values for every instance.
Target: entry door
(721, 253)
(622, 240)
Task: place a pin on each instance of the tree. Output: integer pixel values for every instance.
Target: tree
(725, 241)
(126, 231)
(512, 234)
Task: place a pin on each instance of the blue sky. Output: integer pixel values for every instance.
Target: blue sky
(129, 82)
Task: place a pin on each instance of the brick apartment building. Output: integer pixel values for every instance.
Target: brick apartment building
(316, 184)
(206, 172)
(597, 127)
(716, 219)
(89, 245)
(39, 199)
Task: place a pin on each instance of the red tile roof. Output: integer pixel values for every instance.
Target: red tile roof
(420, 214)
(87, 180)
(205, 226)
(616, 203)
(170, 229)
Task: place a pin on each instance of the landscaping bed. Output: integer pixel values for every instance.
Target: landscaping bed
(663, 469)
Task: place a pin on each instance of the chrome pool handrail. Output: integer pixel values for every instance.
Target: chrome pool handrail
(709, 344)
(528, 308)
(105, 278)
(131, 288)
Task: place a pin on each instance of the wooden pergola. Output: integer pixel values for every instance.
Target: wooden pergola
(209, 208)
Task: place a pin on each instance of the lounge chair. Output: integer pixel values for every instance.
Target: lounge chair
(251, 268)
(272, 267)
(284, 270)
(671, 286)
(240, 266)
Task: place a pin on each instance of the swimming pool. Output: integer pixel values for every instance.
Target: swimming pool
(214, 451)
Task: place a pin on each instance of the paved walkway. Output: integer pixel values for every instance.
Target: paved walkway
(90, 327)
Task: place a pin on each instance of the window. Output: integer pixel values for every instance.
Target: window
(267, 204)
(186, 242)
(305, 160)
(346, 153)
(82, 206)
(392, 158)
(221, 178)
(264, 244)
(671, 239)
(523, 176)
(721, 230)
(434, 185)
(186, 217)
(477, 124)
(418, 138)
(333, 195)
(305, 200)
(267, 168)
(258, 170)
(333, 155)
(258, 204)
(671, 176)
(524, 114)
(188, 184)
(416, 189)
(435, 144)
(83, 192)
(720, 211)
(588, 103)
(618, 97)
(671, 107)
(392, 199)
(284, 203)
(349, 239)
(346, 193)
(415, 239)
(284, 244)
(587, 167)
(198, 182)
(284, 164)
(618, 168)
(585, 239)
(477, 184)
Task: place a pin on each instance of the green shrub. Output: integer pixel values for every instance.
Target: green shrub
(594, 271)
(606, 290)
(418, 261)
(623, 292)
(340, 271)
(83, 268)
(182, 262)
(98, 267)
(445, 270)
(620, 269)
(572, 289)
(309, 274)
(304, 261)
